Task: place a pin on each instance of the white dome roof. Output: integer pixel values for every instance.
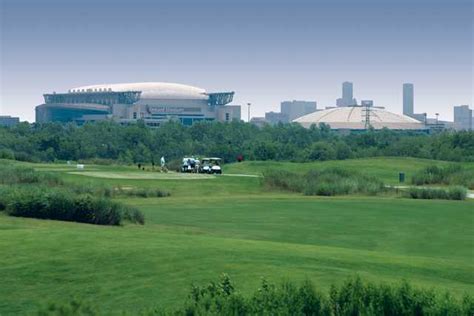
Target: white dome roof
(150, 90)
(353, 117)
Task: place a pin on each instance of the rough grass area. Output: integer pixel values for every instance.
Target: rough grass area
(450, 193)
(385, 169)
(324, 182)
(60, 204)
(353, 297)
(453, 174)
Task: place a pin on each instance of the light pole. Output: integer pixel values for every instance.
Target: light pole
(248, 114)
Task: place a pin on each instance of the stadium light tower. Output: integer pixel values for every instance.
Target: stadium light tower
(248, 114)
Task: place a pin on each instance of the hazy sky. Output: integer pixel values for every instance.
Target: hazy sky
(265, 51)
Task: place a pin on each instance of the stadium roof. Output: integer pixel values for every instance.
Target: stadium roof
(150, 90)
(354, 118)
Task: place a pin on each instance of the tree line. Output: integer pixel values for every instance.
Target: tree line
(136, 143)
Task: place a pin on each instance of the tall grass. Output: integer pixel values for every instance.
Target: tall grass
(13, 174)
(326, 182)
(354, 297)
(449, 175)
(450, 193)
(59, 204)
(110, 192)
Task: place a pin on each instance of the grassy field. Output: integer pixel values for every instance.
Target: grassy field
(229, 224)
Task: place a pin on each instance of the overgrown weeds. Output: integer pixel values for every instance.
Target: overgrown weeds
(325, 182)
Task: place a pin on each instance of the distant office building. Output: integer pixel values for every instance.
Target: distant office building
(294, 109)
(422, 117)
(347, 95)
(367, 103)
(258, 121)
(9, 120)
(151, 102)
(408, 99)
(462, 117)
(276, 117)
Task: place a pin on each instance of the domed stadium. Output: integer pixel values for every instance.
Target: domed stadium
(150, 90)
(360, 118)
(151, 102)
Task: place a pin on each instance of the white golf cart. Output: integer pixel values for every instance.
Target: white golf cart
(211, 165)
(190, 165)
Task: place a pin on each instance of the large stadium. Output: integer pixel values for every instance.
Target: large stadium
(152, 102)
(360, 118)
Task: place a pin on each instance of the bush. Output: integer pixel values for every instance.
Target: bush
(449, 175)
(326, 182)
(7, 154)
(72, 308)
(450, 193)
(353, 297)
(57, 204)
(133, 215)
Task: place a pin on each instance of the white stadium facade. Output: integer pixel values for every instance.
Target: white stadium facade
(360, 118)
(152, 102)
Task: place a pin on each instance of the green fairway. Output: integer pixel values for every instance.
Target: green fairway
(231, 224)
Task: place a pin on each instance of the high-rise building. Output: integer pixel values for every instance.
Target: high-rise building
(408, 99)
(347, 91)
(367, 103)
(276, 117)
(294, 109)
(347, 95)
(462, 117)
(9, 120)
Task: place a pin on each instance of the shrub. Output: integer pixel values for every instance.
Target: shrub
(450, 193)
(59, 204)
(449, 175)
(72, 308)
(353, 297)
(457, 193)
(133, 215)
(7, 154)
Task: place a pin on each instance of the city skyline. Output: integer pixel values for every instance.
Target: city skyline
(267, 52)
